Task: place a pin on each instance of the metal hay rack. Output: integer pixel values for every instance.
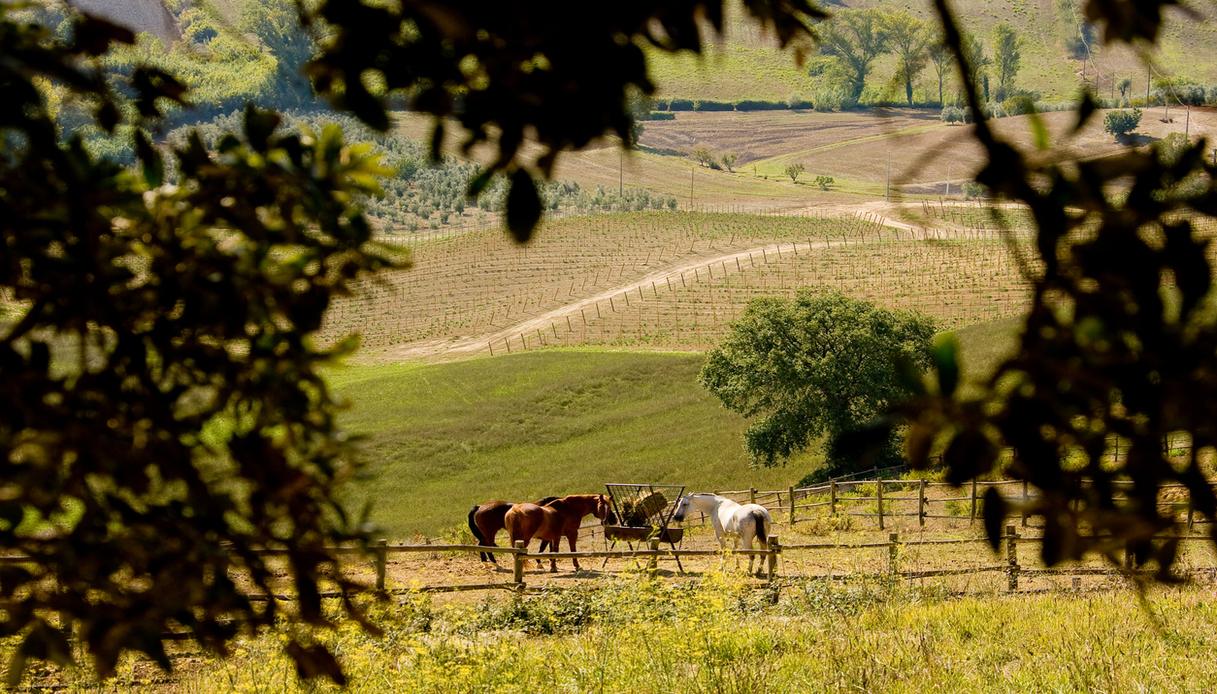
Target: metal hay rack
(643, 512)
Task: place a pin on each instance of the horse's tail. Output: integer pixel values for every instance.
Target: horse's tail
(761, 520)
(473, 527)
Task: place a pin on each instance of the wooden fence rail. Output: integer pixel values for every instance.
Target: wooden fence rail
(1012, 566)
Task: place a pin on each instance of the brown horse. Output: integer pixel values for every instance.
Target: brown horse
(560, 518)
(486, 520)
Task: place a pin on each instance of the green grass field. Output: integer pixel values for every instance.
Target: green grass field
(519, 427)
(442, 437)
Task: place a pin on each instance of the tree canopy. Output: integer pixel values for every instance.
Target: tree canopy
(855, 38)
(817, 365)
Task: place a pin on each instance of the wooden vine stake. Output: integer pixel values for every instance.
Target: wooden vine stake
(879, 500)
(790, 495)
(1012, 558)
(972, 517)
(775, 548)
(382, 561)
(517, 564)
(893, 544)
(921, 504)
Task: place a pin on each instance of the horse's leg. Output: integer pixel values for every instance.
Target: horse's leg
(760, 564)
(570, 538)
(746, 541)
(553, 549)
(488, 540)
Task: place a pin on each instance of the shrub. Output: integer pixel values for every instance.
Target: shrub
(975, 191)
(708, 105)
(793, 172)
(729, 161)
(800, 104)
(680, 105)
(702, 156)
(952, 115)
(824, 182)
(658, 115)
(760, 105)
(1122, 123)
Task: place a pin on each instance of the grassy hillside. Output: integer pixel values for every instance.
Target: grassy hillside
(443, 437)
(746, 66)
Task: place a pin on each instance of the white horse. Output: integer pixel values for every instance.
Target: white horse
(741, 522)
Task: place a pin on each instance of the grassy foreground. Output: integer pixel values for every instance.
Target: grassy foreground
(640, 636)
(442, 437)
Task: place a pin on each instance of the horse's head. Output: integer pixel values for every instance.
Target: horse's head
(682, 507)
(603, 510)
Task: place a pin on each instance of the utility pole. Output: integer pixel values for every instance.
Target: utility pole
(690, 188)
(887, 192)
(1149, 77)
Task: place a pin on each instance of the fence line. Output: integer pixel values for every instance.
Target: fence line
(1011, 566)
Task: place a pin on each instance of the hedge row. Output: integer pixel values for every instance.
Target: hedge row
(668, 105)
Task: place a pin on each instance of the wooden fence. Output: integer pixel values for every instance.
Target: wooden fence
(791, 505)
(1008, 560)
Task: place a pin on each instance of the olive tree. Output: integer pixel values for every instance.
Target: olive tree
(813, 366)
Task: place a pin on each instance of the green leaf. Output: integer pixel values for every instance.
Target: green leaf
(1086, 110)
(259, 125)
(945, 351)
(994, 513)
(150, 160)
(523, 206)
(479, 182)
(1039, 131)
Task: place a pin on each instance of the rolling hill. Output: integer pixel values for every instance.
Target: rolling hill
(441, 437)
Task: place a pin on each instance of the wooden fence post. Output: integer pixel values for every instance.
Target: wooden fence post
(752, 495)
(653, 564)
(921, 504)
(790, 493)
(972, 517)
(1012, 558)
(382, 560)
(517, 564)
(832, 497)
(775, 548)
(879, 500)
(1026, 500)
(893, 542)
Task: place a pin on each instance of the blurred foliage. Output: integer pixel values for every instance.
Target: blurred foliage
(163, 421)
(1120, 347)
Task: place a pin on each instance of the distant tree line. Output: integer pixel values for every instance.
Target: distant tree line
(853, 40)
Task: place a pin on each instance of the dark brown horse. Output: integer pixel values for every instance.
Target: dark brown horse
(486, 520)
(561, 518)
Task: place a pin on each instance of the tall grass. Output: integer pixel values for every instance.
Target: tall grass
(635, 635)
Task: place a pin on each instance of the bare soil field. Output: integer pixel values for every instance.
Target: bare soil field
(924, 153)
(927, 157)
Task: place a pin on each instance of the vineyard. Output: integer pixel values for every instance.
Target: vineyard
(667, 280)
